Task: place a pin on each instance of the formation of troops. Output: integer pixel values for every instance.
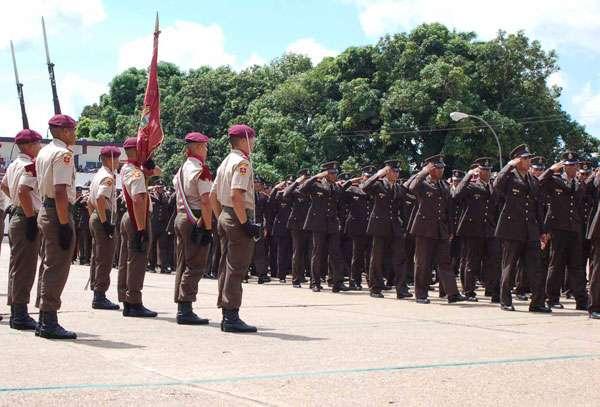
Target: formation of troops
(529, 231)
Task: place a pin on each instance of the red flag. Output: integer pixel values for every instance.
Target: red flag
(150, 134)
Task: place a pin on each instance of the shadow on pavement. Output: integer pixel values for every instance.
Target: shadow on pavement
(106, 344)
(287, 337)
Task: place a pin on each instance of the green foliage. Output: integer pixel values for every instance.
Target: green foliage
(367, 105)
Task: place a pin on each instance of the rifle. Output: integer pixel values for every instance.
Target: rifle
(19, 88)
(51, 72)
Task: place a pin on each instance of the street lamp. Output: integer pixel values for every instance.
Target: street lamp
(458, 116)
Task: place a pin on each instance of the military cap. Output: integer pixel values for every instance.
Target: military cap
(63, 121)
(392, 164)
(473, 166)
(108, 151)
(457, 174)
(331, 166)
(241, 131)
(368, 170)
(27, 136)
(585, 166)
(569, 158)
(483, 163)
(520, 151)
(130, 142)
(539, 163)
(195, 137)
(303, 171)
(159, 182)
(343, 176)
(78, 189)
(437, 160)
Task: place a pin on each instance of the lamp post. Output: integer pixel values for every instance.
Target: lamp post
(458, 116)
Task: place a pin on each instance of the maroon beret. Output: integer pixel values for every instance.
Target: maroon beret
(108, 151)
(196, 137)
(241, 130)
(130, 142)
(27, 136)
(62, 120)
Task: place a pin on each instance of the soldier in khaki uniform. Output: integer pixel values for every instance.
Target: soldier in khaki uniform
(193, 226)
(55, 169)
(102, 201)
(232, 201)
(134, 233)
(20, 184)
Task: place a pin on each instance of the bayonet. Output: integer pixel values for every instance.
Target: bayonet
(19, 88)
(51, 72)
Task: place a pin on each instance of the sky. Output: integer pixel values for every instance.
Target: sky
(93, 40)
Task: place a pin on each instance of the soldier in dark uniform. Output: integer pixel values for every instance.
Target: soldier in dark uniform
(519, 228)
(259, 259)
(159, 219)
(345, 240)
(432, 228)
(476, 230)
(360, 206)
(456, 247)
(583, 175)
(322, 220)
(270, 212)
(82, 218)
(301, 239)
(121, 209)
(386, 228)
(564, 225)
(280, 231)
(593, 234)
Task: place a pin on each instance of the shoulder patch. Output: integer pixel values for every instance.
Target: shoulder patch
(137, 174)
(67, 157)
(107, 181)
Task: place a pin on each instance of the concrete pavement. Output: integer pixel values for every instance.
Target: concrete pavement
(312, 349)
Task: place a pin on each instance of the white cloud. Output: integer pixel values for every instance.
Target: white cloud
(75, 92)
(253, 59)
(21, 20)
(554, 22)
(587, 104)
(187, 44)
(557, 79)
(311, 48)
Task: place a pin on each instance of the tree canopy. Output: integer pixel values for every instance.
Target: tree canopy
(390, 100)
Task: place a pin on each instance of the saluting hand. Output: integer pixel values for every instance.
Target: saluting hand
(514, 161)
(322, 174)
(429, 167)
(383, 172)
(557, 167)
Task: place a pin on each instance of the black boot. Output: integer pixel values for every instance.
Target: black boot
(51, 329)
(264, 279)
(232, 322)
(186, 316)
(101, 302)
(138, 311)
(337, 287)
(20, 319)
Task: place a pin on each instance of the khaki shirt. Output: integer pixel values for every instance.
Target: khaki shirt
(17, 175)
(134, 181)
(103, 184)
(235, 172)
(55, 165)
(193, 186)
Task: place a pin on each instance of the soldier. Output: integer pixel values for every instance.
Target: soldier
(359, 204)
(386, 229)
(259, 259)
(519, 228)
(593, 234)
(564, 225)
(280, 231)
(322, 220)
(82, 227)
(232, 201)
(301, 239)
(193, 226)
(433, 227)
(134, 232)
(159, 219)
(102, 201)
(55, 169)
(20, 184)
(476, 230)
(456, 247)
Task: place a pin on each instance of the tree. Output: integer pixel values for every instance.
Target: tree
(390, 100)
